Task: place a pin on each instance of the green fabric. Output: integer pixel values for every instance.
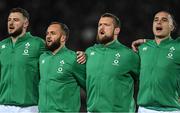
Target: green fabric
(110, 72)
(61, 78)
(160, 75)
(19, 70)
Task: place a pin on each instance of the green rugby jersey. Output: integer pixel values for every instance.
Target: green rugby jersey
(109, 82)
(19, 76)
(61, 78)
(160, 75)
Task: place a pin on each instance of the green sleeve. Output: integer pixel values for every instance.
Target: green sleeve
(178, 85)
(42, 48)
(0, 58)
(80, 74)
(147, 40)
(135, 62)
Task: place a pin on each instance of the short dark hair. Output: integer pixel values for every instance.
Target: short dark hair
(64, 27)
(20, 10)
(116, 20)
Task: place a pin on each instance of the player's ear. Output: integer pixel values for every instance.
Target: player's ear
(172, 27)
(26, 23)
(63, 38)
(117, 30)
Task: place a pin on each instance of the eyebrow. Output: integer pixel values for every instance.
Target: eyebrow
(162, 18)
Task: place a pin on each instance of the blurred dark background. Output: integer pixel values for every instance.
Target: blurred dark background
(82, 17)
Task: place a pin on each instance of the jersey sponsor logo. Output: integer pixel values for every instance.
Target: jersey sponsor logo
(26, 49)
(26, 52)
(60, 68)
(144, 48)
(171, 51)
(116, 59)
(3, 46)
(115, 62)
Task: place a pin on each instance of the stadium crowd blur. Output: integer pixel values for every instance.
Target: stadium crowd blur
(82, 16)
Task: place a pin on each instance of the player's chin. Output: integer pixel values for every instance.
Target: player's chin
(48, 44)
(10, 31)
(160, 35)
(102, 37)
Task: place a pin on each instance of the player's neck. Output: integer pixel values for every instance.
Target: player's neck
(55, 51)
(14, 39)
(159, 39)
(110, 42)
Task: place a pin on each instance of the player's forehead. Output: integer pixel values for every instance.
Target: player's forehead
(105, 20)
(162, 14)
(15, 15)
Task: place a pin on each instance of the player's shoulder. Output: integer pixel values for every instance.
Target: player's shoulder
(176, 43)
(33, 38)
(36, 39)
(148, 43)
(123, 48)
(4, 41)
(44, 55)
(68, 54)
(95, 46)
